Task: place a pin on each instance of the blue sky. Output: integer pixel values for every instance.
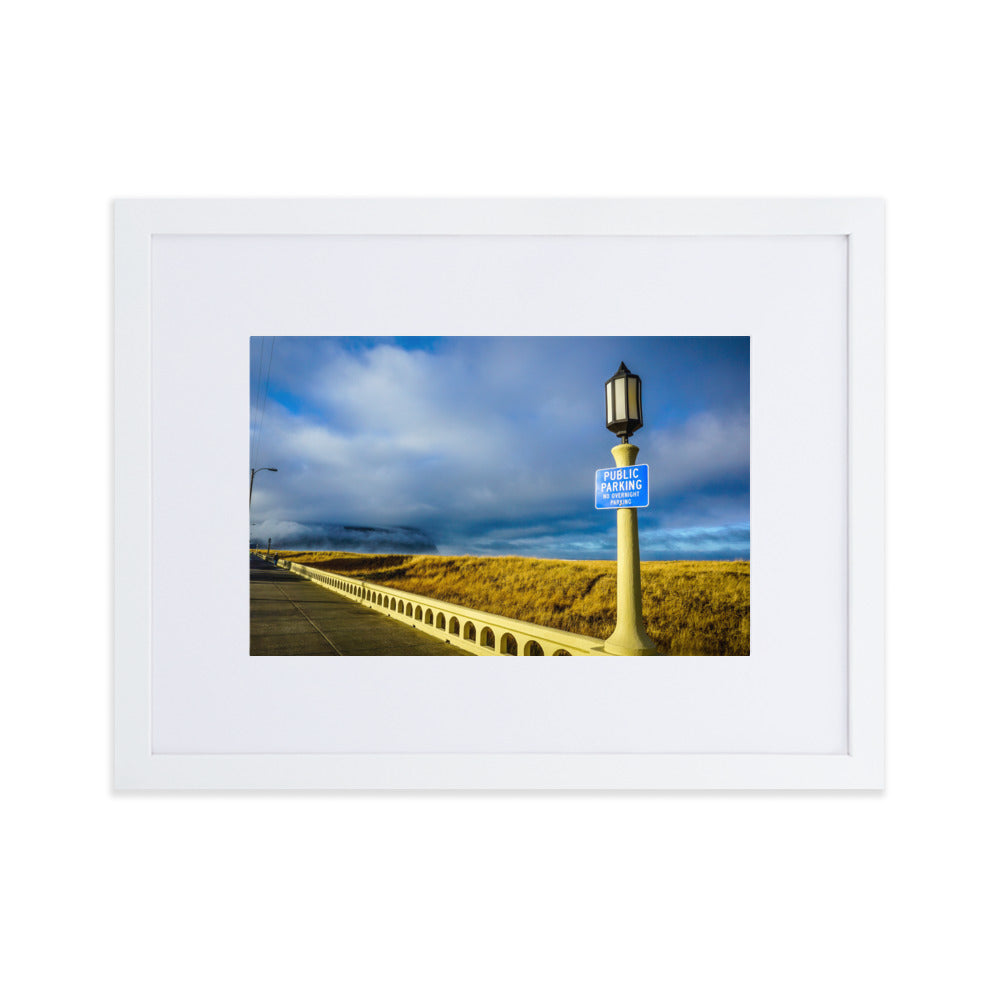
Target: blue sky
(488, 445)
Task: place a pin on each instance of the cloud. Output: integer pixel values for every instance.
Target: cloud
(728, 541)
(708, 447)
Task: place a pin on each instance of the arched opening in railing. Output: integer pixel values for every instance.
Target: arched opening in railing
(428, 617)
(533, 649)
(508, 645)
(418, 613)
(392, 604)
(409, 610)
(561, 652)
(486, 638)
(453, 626)
(440, 623)
(469, 632)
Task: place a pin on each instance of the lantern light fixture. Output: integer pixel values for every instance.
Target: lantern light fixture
(623, 400)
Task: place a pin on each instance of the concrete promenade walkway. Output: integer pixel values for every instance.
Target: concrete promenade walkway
(292, 616)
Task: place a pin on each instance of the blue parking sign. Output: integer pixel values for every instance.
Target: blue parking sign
(623, 486)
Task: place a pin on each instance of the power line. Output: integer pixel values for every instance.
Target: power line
(257, 384)
(255, 374)
(265, 383)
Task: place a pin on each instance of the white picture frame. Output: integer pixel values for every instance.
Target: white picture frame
(860, 469)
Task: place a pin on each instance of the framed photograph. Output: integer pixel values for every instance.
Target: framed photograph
(543, 494)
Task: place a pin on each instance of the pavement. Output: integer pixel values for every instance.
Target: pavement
(292, 616)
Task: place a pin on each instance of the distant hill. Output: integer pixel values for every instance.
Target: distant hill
(345, 537)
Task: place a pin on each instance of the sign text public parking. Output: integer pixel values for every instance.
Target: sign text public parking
(624, 486)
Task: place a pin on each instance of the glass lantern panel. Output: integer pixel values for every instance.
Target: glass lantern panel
(611, 412)
(633, 399)
(620, 412)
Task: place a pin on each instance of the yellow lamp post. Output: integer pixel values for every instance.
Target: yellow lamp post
(623, 401)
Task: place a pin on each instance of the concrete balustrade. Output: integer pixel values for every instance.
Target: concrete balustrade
(475, 631)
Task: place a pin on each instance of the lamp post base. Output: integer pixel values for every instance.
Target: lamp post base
(633, 645)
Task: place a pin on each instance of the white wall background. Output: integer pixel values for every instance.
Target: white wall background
(695, 895)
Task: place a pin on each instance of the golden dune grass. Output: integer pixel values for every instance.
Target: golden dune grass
(690, 608)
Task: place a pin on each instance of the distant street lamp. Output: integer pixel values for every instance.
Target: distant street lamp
(623, 401)
(253, 472)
